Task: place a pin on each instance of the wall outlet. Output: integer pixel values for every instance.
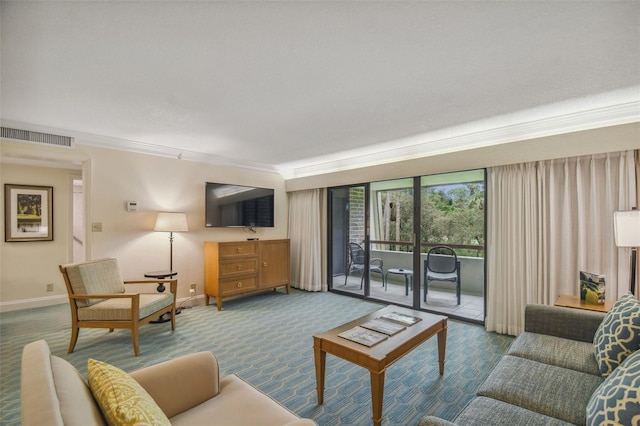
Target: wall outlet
(50, 287)
(192, 290)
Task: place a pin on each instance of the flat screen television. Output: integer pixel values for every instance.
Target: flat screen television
(228, 205)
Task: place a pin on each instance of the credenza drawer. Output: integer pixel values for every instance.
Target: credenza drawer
(238, 285)
(236, 267)
(238, 249)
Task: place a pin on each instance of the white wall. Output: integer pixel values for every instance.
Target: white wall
(26, 267)
(111, 178)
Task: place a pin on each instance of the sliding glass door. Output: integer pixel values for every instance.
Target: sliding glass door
(381, 233)
(452, 240)
(393, 239)
(348, 239)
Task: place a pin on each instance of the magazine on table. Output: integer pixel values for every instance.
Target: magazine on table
(387, 327)
(401, 318)
(363, 336)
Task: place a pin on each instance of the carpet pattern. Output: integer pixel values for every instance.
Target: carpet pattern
(267, 340)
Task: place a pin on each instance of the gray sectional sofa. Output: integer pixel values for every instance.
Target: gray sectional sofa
(549, 373)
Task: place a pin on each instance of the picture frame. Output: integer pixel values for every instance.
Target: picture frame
(28, 213)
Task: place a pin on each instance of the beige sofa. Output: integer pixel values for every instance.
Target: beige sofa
(187, 389)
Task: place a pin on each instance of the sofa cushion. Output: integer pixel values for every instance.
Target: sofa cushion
(192, 379)
(546, 389)
(237, 404)
(619, 334)
(122, 400)
(100, 276)
(617, 399)
(572, 354)
(74, 395)
(38, 399)
(482, 411)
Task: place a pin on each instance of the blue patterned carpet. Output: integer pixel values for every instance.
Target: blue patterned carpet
(267, 340)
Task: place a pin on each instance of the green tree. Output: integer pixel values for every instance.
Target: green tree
(450, 214)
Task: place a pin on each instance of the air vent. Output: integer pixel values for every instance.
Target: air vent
(36, 137)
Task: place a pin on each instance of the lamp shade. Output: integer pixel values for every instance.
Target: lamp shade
(171, 222)
(626, 228)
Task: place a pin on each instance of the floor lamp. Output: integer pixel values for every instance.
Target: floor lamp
(626, 226)
(171, 222)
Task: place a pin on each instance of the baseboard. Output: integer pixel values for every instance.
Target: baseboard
(190, 301)
(38, 302)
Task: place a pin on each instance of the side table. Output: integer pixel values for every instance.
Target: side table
(160, 275)
(408, 277)
(576, 303)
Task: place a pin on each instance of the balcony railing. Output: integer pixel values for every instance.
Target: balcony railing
(471, 268)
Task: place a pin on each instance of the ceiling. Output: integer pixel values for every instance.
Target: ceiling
(303, 87)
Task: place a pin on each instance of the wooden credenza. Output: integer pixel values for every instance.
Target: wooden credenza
(241, 267)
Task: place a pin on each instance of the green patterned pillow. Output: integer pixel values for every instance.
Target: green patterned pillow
(618, 335)
(617, 399)
(123, 401)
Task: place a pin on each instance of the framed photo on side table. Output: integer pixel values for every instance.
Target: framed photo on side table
(28, 213)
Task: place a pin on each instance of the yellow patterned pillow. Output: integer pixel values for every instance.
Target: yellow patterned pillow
(123, 401)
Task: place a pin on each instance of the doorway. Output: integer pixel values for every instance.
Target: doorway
(78, 235)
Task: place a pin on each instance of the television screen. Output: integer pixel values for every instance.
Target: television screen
(237, 205)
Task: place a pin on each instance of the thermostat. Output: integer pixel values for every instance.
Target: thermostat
(132, 206)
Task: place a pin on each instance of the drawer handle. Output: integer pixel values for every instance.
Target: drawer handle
(239, 284)
(265, 264)
(239, 249)
(239, 267)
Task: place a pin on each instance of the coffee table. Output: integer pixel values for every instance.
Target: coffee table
(380, 356)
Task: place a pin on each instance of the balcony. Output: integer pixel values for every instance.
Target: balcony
(442, 298)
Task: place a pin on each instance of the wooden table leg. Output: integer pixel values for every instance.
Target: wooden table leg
(442, 347)
(377, 393)
(321, 361)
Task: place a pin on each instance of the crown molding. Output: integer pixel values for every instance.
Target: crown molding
(474, 135)
(494, 131)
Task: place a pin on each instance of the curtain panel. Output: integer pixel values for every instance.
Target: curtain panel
(546, 222)
(305, 227)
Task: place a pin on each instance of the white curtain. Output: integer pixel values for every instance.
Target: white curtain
(547, 221)
(305, 228)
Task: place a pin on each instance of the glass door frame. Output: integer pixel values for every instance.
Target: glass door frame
(366, 292)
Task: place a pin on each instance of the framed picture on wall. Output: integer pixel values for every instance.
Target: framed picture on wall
(28, 213)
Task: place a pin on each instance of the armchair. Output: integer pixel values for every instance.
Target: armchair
(356, 263)
(97, 299)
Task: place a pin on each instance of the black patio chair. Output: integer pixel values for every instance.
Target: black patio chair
(356, 263)
(442, 265)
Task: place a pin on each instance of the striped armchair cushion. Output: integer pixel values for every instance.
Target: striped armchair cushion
(97, 277)
(120, 309)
